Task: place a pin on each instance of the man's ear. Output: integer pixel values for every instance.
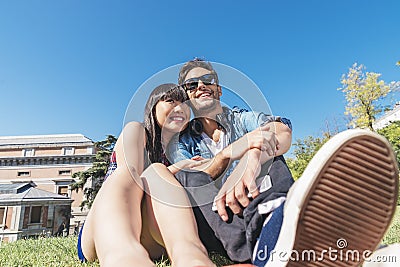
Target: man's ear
(219, 90)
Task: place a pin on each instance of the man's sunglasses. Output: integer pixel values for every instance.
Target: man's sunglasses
(193, 83)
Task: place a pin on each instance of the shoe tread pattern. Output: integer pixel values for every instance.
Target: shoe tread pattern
(353, 199)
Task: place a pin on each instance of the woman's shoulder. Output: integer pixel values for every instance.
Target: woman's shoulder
(132, 131)
(134, 125)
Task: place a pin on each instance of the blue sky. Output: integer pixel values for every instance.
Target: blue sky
(69, 66)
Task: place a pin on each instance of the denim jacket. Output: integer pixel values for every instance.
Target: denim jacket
(237, 122)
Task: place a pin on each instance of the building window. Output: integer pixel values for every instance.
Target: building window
(64, 172)
(24, 173)
(63, 190)
(68, 151)
(35, 214)
(90, 150)
(28, 152)
(2, 215)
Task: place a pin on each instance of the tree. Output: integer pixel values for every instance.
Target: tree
(363, 92)
(392, 134)
(96, 173)
(304, 151)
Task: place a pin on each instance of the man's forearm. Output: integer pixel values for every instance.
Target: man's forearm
(217, 165)
(284, 135)
(221, 161)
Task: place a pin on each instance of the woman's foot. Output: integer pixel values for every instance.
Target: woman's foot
(188, 254)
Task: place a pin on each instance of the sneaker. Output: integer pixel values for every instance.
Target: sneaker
(338, 211)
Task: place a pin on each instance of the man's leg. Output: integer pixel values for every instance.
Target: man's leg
(217, 235)
(281, 180)
(238, 235)
(341, 206)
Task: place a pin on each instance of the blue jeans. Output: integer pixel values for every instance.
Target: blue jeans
(237, 237)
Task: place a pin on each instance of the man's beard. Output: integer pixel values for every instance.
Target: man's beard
(203, 108)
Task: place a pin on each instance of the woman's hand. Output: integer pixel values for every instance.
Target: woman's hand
(192, 163)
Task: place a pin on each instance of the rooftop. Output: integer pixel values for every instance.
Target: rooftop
(43, 140)
(26, 191)
(389, 113)
(14, 188)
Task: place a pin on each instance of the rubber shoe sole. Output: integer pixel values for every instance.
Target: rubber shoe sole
(338, 211)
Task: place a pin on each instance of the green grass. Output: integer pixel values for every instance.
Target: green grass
(55, 251)
(58, 251)
(393, 234)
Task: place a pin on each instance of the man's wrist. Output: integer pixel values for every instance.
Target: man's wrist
(225, 154)
(254, 153)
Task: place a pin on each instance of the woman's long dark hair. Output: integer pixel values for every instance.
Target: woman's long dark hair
(153, 130)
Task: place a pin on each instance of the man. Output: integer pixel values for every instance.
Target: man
(245, 141)
(343, 203)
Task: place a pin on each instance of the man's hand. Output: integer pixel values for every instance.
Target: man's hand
(273, 138)
(261, 138)
(234, 192)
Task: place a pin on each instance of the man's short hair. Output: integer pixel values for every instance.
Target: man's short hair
(195, 63)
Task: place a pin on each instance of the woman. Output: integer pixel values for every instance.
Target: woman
(126, 227)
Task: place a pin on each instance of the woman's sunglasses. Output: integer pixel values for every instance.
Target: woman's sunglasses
(193, 83)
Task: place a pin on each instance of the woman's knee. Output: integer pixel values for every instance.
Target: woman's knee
(158, 171)
(157, 167)
(125, 176)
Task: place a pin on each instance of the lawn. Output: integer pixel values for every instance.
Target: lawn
(62, 251)
(56, 251)
(393, 234)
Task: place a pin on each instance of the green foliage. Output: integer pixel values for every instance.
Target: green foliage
(304, 151)
(55, 251)
(215, 257)
(96, 173)
(59, 252)
(393, 234)
(363, 92)
(392, 134)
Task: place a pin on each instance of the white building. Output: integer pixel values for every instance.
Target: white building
(26, 211)
(49, 161)
(387, 118)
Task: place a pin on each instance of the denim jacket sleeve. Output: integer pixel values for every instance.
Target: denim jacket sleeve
(186, 146)
(250, 120)
(178, 150)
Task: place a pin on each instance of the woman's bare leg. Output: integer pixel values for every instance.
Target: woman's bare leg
(112, 229)
(171, 216)
(156, 249)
